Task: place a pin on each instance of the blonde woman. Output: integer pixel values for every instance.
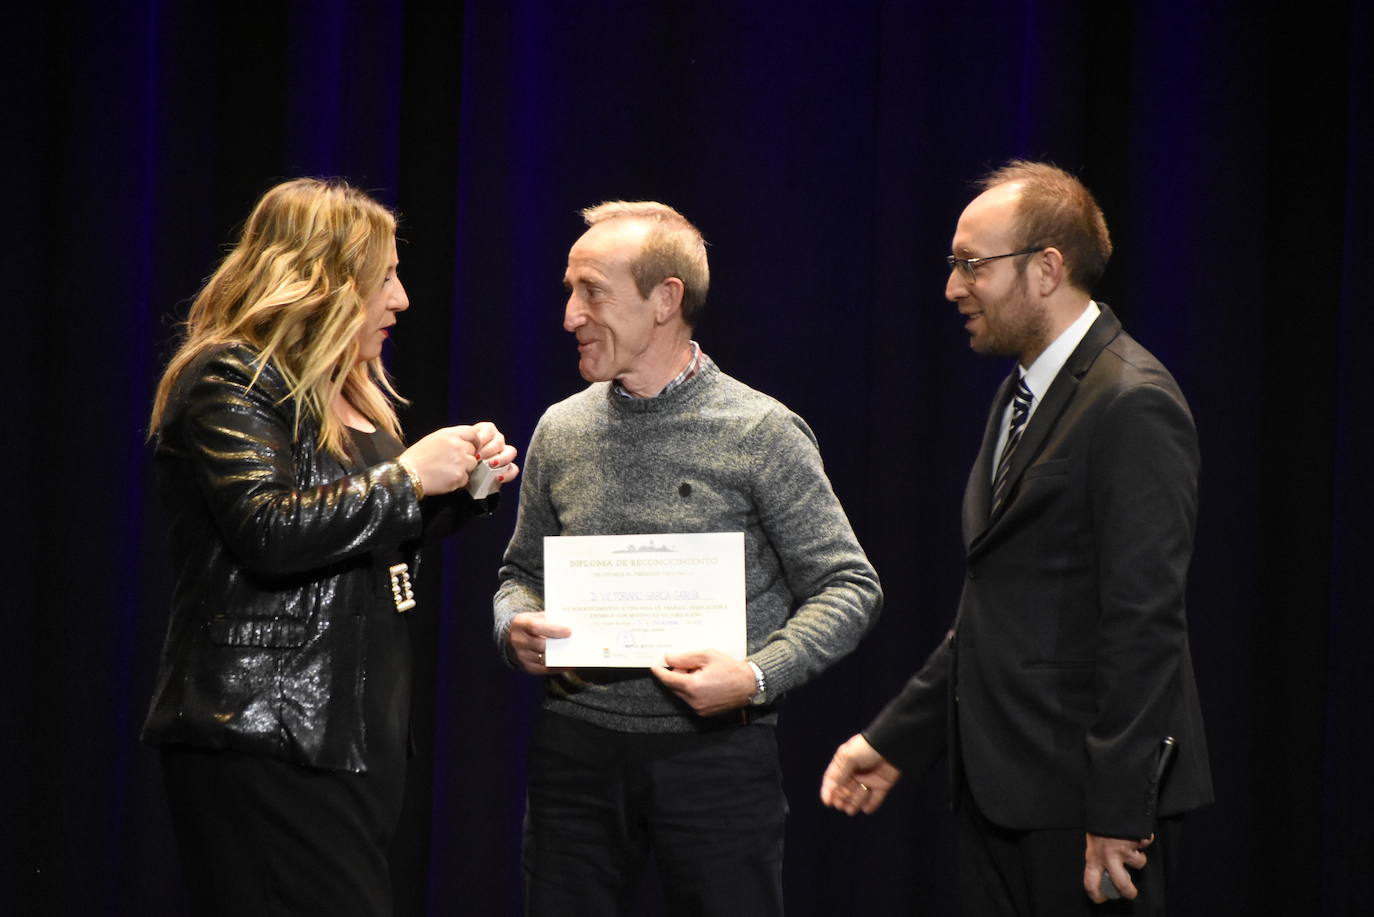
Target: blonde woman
(282, 701)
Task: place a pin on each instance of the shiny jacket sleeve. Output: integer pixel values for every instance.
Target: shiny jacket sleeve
(238, 433)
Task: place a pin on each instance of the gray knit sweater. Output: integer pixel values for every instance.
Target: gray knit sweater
(603, 464)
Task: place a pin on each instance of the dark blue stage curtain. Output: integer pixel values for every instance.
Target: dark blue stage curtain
(826, 150)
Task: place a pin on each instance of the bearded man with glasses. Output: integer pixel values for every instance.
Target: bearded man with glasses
(1064, 690)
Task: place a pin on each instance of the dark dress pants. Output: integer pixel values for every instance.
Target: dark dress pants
(709, 805)
(1006, 873)
(263, 838)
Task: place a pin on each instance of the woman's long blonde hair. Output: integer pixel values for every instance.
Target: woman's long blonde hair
(293, 288)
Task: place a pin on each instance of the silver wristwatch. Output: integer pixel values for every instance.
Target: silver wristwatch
(760, 696)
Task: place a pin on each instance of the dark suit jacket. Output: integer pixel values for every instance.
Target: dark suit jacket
(1068, 662)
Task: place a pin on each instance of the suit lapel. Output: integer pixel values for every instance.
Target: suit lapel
(1061, 393)
(978, 491)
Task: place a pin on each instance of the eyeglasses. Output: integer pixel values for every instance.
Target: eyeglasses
(968, 264)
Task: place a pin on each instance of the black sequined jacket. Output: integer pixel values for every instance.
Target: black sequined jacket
(277, 549)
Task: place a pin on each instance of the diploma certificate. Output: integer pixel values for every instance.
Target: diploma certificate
(629, 599)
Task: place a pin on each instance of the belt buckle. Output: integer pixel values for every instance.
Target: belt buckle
(401, 592)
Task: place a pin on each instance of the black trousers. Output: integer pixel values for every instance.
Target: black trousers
(1006, 873)
(265, 838)
(709, 806)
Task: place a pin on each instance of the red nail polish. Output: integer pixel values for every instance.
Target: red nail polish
(495, 463)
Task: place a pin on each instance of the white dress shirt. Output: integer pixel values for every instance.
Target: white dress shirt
(1040, 374)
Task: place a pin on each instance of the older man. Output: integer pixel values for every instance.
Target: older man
(1067, 673)
(681, 760)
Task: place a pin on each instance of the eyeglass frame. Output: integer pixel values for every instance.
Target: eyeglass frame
(967, 264)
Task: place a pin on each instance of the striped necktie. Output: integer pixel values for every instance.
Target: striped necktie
(1020, 410)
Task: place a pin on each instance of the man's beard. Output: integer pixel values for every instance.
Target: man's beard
(1020, 328)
